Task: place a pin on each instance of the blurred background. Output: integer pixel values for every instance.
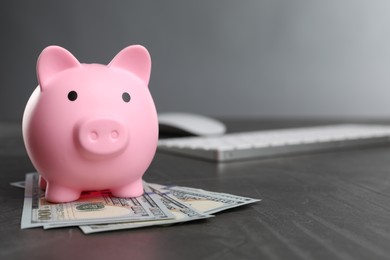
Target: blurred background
(222, 58)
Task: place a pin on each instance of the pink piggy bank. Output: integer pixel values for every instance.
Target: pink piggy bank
(91, 126)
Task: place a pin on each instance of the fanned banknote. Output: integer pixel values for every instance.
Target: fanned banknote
(93, 207)
(182, 212)
(99, 211)
(204, 201)
(185, 203)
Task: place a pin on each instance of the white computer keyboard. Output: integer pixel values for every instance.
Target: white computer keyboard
(246, 145)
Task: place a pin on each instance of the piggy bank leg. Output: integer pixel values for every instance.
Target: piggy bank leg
(42, 183)
(133, 189)
(58, 193)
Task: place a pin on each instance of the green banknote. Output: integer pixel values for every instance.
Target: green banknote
(93, 207)
(99, 211)
(204, 201)
(181, 211)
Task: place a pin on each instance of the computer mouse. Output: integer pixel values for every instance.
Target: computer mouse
(187, 124)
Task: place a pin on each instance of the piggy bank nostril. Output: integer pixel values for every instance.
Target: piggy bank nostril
(114, 134)
(93, 135)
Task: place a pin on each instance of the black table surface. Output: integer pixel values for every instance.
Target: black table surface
(328, 205)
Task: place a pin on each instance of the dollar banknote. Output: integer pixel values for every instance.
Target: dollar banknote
(184, 202)
(181, 211)
(204, 201)
(93, 207)
(99, 211)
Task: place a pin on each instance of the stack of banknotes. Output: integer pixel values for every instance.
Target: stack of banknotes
(99, 211)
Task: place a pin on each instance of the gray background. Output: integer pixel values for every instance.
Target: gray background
(225, 58)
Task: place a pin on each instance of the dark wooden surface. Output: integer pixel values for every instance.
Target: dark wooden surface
(330, 205)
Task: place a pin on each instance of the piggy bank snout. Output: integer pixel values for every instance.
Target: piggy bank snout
(102, 137)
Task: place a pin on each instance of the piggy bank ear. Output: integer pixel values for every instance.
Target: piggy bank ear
(54, 59)
(135, 59)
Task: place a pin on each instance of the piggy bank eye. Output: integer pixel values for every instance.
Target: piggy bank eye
(126, 97)
(72, 95)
